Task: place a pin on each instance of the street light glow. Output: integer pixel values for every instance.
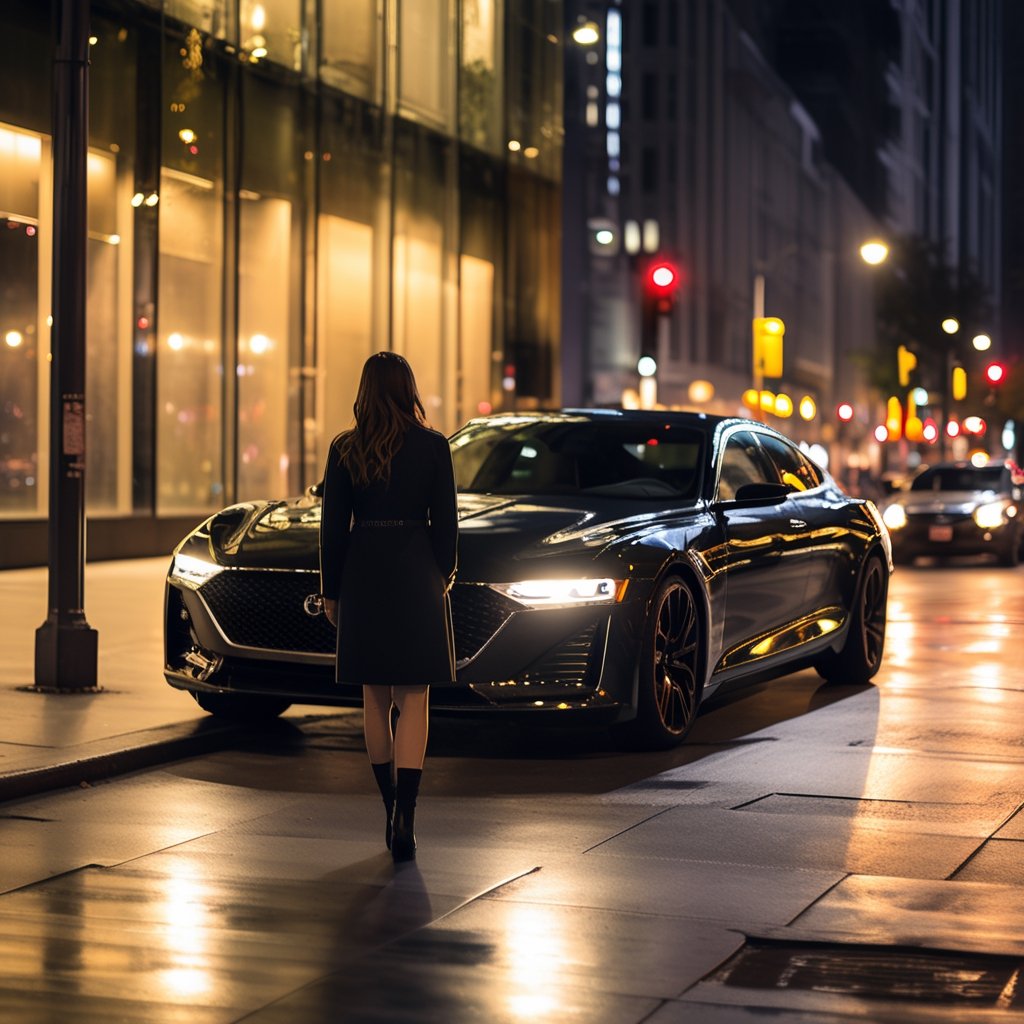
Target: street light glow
(951, 325)
(981, 342)
(874, 251)
(646, 366)
(586, 33)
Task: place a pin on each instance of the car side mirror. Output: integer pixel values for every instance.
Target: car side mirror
(760, 495)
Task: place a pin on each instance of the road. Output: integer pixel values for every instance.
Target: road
(824, 852)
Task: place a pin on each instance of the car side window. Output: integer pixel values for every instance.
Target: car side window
(795, 469)
(743, 462)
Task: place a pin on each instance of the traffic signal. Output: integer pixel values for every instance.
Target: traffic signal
(905, 362)
(661, 284)
(959, 383)
(769, 332)
(995, 374)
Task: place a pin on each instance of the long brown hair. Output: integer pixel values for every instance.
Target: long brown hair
(387, 404)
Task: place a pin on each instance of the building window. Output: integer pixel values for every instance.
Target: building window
(350, 46)
(649, 169)
(649, 99)
(650, 29)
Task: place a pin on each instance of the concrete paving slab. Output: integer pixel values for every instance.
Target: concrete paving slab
(436, 988)
(1000, 861)
(976, 916)
(605, 951)
(725, 893)
(775, 840)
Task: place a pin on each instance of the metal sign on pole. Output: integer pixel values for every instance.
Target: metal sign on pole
(66, 646)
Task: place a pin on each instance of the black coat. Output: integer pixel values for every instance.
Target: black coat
(388, 556)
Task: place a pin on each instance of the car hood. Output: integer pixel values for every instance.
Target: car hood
(495, 533)
(931, 502)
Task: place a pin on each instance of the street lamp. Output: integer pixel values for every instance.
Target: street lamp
(586, 33)
(981, 342)
(874, 251)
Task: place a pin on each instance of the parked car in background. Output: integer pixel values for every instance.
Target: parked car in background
(614, 567)
(957, 508)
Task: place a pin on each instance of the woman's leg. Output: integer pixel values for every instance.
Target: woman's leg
(413, 703)
(377, 723)
(379, 745)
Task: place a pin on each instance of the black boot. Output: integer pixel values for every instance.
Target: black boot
(403, 845)
(382, 773)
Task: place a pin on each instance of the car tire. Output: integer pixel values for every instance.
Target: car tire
(860, 657)
(670, 670)
(238, 708)
(1010, 556)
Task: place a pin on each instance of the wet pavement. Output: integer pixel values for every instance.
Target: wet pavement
(813, 853)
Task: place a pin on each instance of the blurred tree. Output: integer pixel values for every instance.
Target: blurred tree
(916, 291)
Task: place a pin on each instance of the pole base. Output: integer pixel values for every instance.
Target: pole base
(66, 657)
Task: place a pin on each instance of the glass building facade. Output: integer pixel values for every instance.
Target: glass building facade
(276, 190)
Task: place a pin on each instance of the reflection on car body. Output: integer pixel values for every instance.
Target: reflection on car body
(957, 508)
(616, 566)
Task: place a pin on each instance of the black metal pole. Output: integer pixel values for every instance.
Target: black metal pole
(66, 645)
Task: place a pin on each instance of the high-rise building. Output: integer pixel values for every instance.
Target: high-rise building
(757, 145)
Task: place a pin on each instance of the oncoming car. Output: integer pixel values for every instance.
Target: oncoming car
(957, 508)
(615, 567)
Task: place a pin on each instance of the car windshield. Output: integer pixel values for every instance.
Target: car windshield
(614, 458)
(959, 478)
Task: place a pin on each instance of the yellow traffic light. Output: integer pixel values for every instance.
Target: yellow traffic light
(959, 383)
(768, 335)
(894, 419)
(905, 362)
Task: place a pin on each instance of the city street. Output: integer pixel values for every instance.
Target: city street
(827, 853)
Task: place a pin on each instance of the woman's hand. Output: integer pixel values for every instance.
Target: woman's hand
(331, 611)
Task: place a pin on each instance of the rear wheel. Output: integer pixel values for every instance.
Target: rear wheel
(860, 657)
(670, 670)
(235, 707)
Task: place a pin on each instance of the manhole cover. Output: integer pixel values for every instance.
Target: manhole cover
(873, 972)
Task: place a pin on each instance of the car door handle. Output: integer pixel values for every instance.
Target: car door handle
(797, 524)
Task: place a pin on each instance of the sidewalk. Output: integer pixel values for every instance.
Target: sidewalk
(853, 856)
(48, 741)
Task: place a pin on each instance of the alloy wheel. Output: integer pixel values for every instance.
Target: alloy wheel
(676, 658)
(873, 613)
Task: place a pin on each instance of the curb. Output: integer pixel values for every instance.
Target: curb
(92, 762)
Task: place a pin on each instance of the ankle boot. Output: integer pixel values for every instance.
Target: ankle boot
(403, 843)
(382, 774)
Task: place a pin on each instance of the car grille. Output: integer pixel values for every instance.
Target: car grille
(477, 614)
(265, 610)
(567, 664)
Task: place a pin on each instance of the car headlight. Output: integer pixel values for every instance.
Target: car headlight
(895, 517)
(193, 572)
(563, 593)
(993, 514)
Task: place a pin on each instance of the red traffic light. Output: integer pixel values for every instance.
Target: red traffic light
(844, 411)
(661, 282)
(663, 277)
(995, 373)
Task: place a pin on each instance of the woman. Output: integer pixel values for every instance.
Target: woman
(388, 533)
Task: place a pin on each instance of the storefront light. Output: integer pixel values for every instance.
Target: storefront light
(13, 339)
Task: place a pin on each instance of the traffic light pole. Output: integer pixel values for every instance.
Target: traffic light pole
(758, 363)
(66, 646)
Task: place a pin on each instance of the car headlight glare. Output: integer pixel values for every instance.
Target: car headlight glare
(895, 517)
(562, 593)
(990, 515)
(193, 572)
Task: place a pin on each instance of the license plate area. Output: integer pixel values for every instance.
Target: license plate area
(940, 534)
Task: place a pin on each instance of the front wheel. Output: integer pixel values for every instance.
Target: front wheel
(860, 657)
(670, 670)
(235, 707)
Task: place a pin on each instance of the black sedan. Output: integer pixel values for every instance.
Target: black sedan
(616, 565)
(956, 508)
